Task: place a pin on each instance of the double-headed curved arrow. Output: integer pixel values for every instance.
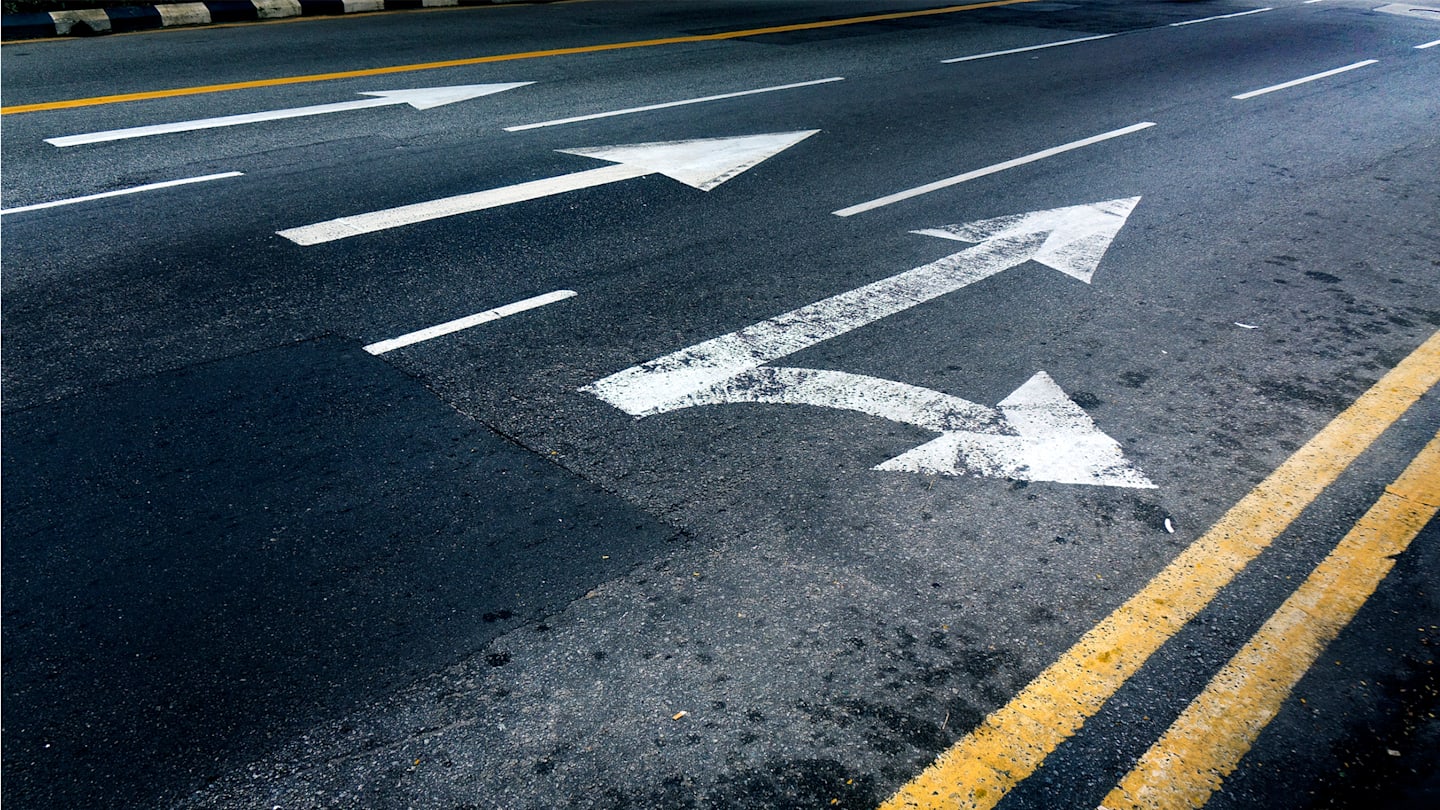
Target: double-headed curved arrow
(1037, 433)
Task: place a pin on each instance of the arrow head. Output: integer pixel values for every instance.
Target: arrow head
(703, 163)
(424, 98)
(1054, 440)
(1076, 239)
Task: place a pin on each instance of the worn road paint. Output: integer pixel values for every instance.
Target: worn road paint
(666, 105)
(1223, 17)
(458, 324)
(1205, 744)
(205, 178)
(507, 57)
(424, 98)
(998, 167)
(1023, 50)
(1009, 745)
(1272, 88)
(702, 163)
(1036, 434)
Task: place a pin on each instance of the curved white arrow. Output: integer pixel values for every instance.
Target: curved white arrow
(423, 98)
(1037, 433)
(702, 163)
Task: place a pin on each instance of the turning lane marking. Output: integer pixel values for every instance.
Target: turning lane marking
(1205, 744)
(1272, 88)
(205, 178)
(1037, 433)
(1023, 50)
(507, 57)
(998, 167)
(1011, 743)
(559, 121)
(1223, 17)
(458, 324)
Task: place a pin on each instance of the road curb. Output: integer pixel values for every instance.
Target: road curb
(89, 22)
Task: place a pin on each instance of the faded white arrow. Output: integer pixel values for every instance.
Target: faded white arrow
(1037, 433)
(701, 163)
(423, 98)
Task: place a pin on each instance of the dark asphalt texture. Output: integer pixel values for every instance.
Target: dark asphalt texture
(247, 564)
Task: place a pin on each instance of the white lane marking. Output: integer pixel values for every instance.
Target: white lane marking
(458, 324)
(1272, 88)
(998, 167)
(1223, 16)
(559, 121)
(1023, 50)
(424, 98)
(121, 192)
(1071, 240)
(702, 163)
(1427, 45)
(1311, 2)
(1035, 434)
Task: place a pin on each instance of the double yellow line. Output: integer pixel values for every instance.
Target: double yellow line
(1206, 743)
(506, 57)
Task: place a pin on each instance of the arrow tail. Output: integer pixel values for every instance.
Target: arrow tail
(345, 227)
(648, 388)
(216, 123)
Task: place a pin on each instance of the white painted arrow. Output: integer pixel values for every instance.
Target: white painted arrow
(423, 98)
(703, 163)
(1037, 433)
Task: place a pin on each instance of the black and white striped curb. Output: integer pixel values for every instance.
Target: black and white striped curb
(40, 24)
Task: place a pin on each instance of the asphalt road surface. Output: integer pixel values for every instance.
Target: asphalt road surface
(1016, 405)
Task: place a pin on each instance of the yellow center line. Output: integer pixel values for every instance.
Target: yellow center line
(1011, 743)
(1206, 742)
(506, 57)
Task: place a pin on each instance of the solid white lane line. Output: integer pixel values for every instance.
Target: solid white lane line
(1023, 50)
(1223, 16)
(465, 323)
(998, 167)
(123, 191)
(1427, 45)
(559, 121)
(1272, 88)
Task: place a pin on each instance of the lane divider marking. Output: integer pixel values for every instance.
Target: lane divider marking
(121, 192)
(1023, 50)
(1205, 744)
(508, 57)
(559, 121)
(1223, 16)
(1012, 742)
(458, 324)
(1427, 45)
(1272, 88)
(988, 170)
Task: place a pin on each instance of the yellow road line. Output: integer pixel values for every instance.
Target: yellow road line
(1206, 743)
(1011, 743)
(506, 57)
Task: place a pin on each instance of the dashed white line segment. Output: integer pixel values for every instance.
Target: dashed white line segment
(559, 121)
(1023, 50)
(121, 192)
(1427, 45)
(1223, 16)
(1284, 85)
(998, 167)
(465, 323)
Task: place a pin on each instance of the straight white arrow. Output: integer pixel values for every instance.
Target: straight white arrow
(703, 163)
(1037, 433)
(424, 98)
